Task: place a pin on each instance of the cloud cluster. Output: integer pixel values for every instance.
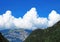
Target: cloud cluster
(30, 20)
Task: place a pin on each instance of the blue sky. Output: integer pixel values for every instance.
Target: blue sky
(20, 7)
(29, 14)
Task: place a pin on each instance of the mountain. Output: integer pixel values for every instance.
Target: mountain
(2, 38)
(15, 35)
(51, 34)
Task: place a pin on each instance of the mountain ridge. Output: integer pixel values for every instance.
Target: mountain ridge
(51, 34)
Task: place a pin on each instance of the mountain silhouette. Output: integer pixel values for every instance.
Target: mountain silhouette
(51, 34)
(2, 38)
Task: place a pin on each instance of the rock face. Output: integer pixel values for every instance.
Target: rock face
(51, 34)
(3, 39)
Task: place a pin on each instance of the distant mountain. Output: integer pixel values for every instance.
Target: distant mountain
(51, 34)
(2, 38)
(15, 35)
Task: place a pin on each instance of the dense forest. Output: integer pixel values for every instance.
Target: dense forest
(51, 34)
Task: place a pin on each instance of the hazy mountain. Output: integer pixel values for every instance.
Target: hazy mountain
(15, 35)
(51, 34)
(2, 38)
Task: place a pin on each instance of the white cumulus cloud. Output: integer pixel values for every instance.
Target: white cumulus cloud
(30, 20)
(54, 17)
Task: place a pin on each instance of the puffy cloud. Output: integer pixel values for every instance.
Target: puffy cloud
(54, 17)
(30, 20)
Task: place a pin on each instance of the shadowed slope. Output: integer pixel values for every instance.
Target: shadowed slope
(3, 39)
